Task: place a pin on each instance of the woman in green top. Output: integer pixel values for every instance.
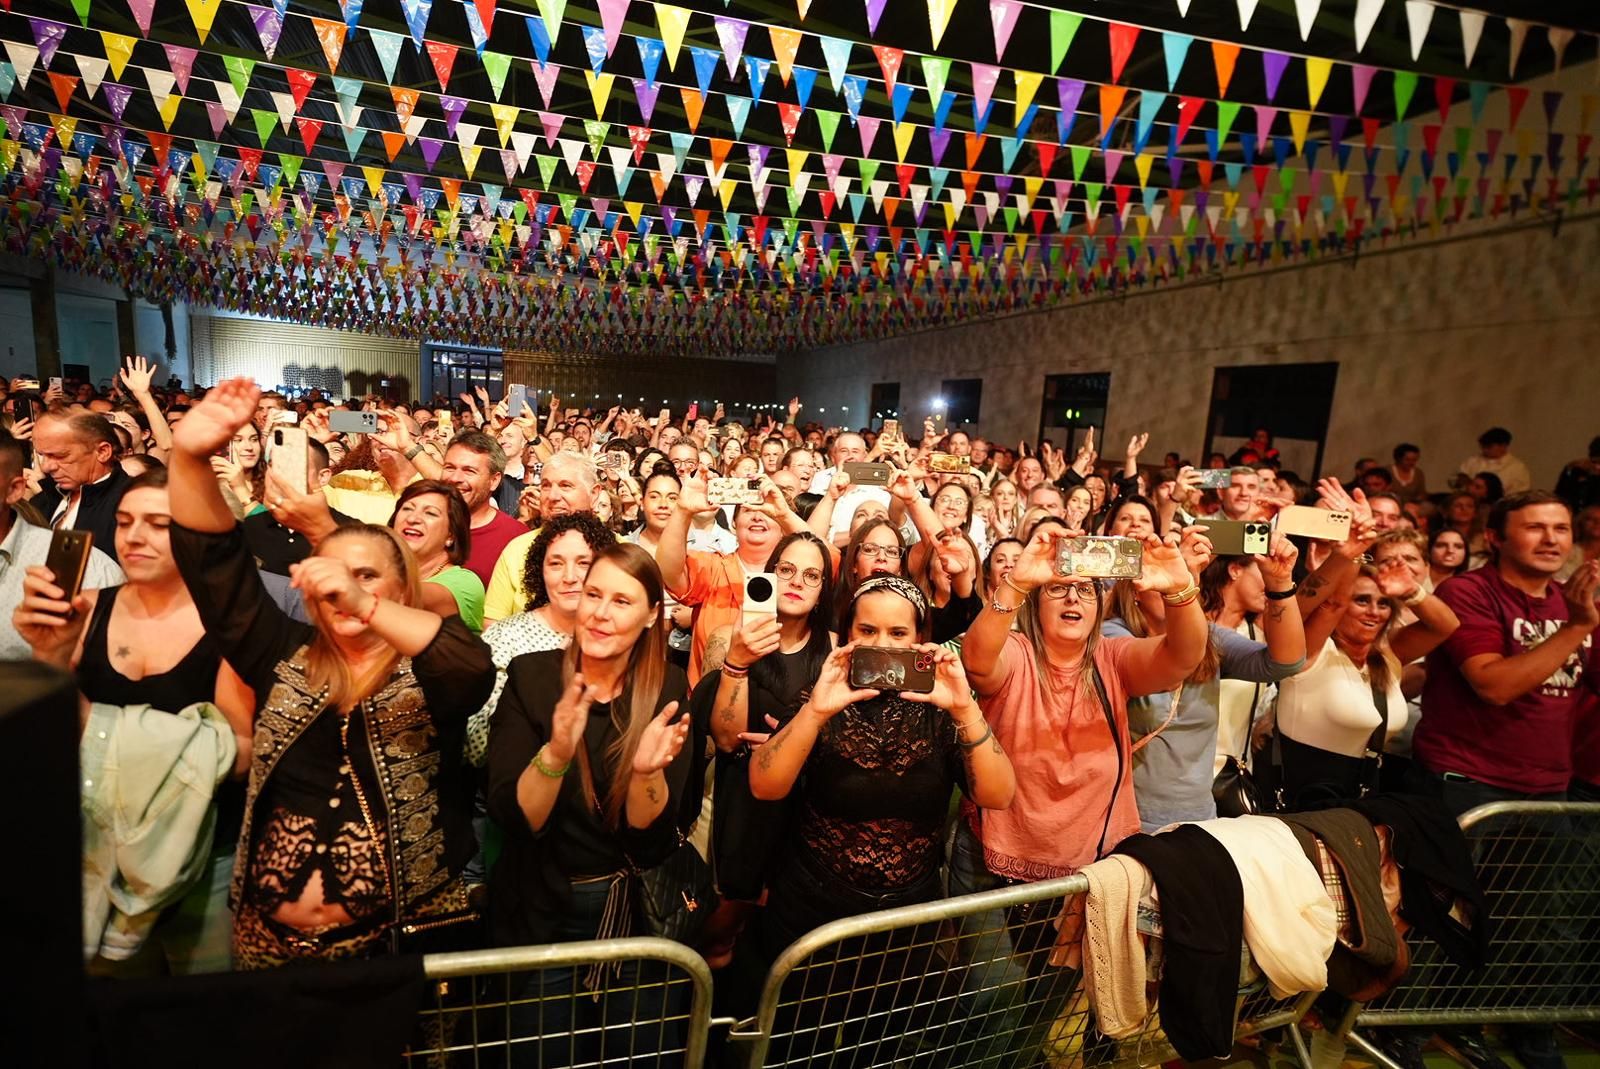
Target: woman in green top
(434, 521)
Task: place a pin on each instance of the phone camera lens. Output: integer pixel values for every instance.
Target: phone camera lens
(759, 589)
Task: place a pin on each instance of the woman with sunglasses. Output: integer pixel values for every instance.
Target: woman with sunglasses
(1057, 694)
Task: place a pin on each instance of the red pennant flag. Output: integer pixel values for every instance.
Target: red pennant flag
(251, 159)
(485, 15)
(309, 129)
(160, 145)
(903, 174)
(63, 84)
(1518, 96)
(1443, 90)
(1188, 108)
(789, 117)
(1122, 38)
(300, 83)
(889, 60)
(444, 58)
(1047, 156)
(1430, 138)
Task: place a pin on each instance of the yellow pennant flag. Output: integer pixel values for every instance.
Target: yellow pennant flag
(1299, 126)
(726, 191)
(169, 110)
(119, 47)
(1027, 86)
(903, 133)
(600, 90)
(949, 216)
(469, 157)
(1317, 71)
(374, 177)
(634, 208)
(1030, 187)
(1141, 164)
(204, 13)
(505, 120)
(65, 128)
(1340, 180)
(797, 163)
(938, 18)
(673, 21)
(9, 151)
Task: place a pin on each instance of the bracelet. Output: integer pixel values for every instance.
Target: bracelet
(545, 770)
(1184, 596)
(988, 730)
(411, 454)
(734, 671)
(1006, 579)
(367, 619)
(1283, 595)
(1416, 599)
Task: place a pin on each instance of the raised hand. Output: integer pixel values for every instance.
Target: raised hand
(1579, 591)
(216, 417)
(1277, 566)
(307, 513)
(663, 737)
(1037, 565)
(22, 429)
(1137, 443)
(1196, 548)
(692, 493)
(1165, 570)
(838, 486)
(136, 375)
(951, 691)
(570, 718)
(755, 640)
(1395, 579)
(315, 424)
(832, 691)
(756, 738)
(330, 580)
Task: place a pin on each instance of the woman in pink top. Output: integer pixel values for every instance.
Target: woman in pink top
(1056, 694)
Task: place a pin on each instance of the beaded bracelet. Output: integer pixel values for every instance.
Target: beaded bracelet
(546, 770)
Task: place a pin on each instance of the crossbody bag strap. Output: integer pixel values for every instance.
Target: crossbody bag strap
(1116, 742)
(1255, 700)
(1375, 751)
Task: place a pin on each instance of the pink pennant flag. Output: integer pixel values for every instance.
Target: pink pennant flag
(1003, 16)
(874, 13)
(1264, 120)
(181, 60)
(984, 78)
(612, 15)
(552, 127)
(1361, 79)
(867, 126)
(219, 117)
(546, 77)
(142, 10)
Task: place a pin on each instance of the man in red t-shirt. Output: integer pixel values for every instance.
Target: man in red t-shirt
(1499, 707)
(474, 464)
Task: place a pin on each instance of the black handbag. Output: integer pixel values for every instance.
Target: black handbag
(675, 896)
(1322, 795)
(1234, 787)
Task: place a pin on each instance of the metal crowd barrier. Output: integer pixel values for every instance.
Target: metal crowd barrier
(528, 1006)
(1539, 867)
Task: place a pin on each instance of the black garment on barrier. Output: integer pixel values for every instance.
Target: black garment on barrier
(1433, 856)
(1202, 924)
(310, 1015)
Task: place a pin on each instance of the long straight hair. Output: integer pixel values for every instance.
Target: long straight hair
(1125, 602)
(1032, 629)
(642, 679)
(764, 673)
(846, 586)
(326, 665)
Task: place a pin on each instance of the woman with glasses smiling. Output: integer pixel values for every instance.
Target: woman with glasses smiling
(876, 548)
(1056, 694)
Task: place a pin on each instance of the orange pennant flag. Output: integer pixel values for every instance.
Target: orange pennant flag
(719, 151)
(693, 105)
(331, 34)
(785, 46)
(63, 84)
(393, 143)
(1111, 97)
(1225, 55)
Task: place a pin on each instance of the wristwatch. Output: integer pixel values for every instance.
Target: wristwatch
(411, 454)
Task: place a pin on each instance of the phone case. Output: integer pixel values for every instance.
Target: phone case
(726, 491)
(1234, 538)
(287, 457)
(1216, 478)
(868, 473)
(68, 559)
(1100, 557)
(1312, 522)
(949, 462)
(876, 668)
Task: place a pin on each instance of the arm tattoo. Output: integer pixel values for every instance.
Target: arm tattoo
(994, 747)
(768, 750)
(727, 707)
(1314, 582)
(650, 791)
(1275, 613)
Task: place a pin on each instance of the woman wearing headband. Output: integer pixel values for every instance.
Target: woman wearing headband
(871, 773)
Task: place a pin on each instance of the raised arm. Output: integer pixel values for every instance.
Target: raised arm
(672, 550)
(1435, 621)
(1160, 663)
(538, 765)
(136, 376)
(983, 649)
(407, 629)
(197, 501)
(730, 709)
(1281, 624)
(821, 519)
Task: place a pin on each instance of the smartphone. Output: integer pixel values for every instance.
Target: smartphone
(285, 416)
(1100, 557)
(760, 595)
(891, 430)
(868, 473)
(447, 427)
(1215, 478)
(226, 452)
(55, 382)
(937, 419)
(1313, 523)
(516, 397)
(611, 460)
(287, 457)
(342, 421)
(664, 417)
(538, 473)
(878, 668)
(949, 463)
(726, 491)
(694, 411)
(68, 559)
(1234, 538)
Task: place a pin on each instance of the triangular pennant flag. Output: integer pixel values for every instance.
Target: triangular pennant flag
(351, 9)
(612, 15)
(443, 58)
(673, 22)
(202, 13)
(1247, 10)
(731, 35)
(1111, 97)
(874, 13)
(94, 72)
(1027, 86)
(1419, 16)
(939, 18)
(889, 61)
(1003, 18)
(118, 49)
(497, 65)
(142, 10)
(1122, 37)
(1559, 40)
(552, 11)
(785, 45)
(181, 62)
(1306, 12)
(1471, 34)
(1317, 71)
(387, 45)
(984, 78)
(1367, 12)
(331, 35)
(836, 54)
(693, 105)
(599, 89)
(1063, 28)
(1225, 56)
(1273, 64)
(416, 13)
(63, 84)
(1175, 46)
(1519, 34)
(1361, 81)
(269, 27)
(239, 70)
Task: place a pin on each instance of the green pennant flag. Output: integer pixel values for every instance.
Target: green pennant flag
(1063, 27)
(497, 65)
(869, 171)
(291, 167)
(828, 122)
(245, 202)
(265, 121)
(239, 72)
(1080, 159)
(795, 199)
(1405, 84)
(1463, 141)
(569, 204)
(519, 211)
(595, 130)
(547, 169)
(1011, 220)
(1227, 111)
(935, 72)
(82, 8)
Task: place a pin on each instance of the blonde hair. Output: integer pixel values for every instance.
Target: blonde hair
(643, 679)
(326, 666)
(1125, 602)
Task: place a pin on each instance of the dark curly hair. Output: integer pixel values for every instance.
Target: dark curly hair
(597, 534)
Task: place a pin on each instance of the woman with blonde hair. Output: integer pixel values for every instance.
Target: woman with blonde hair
(358, 810)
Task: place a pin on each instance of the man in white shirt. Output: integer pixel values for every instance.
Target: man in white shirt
(848, 448)
(1494, 456)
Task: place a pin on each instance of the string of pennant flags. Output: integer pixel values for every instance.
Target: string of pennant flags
(377, 198)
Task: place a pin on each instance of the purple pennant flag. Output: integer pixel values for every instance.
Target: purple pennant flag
(1002, 184)
(14, 117)
(117, 97)
(874, 13)
(453, 108)
(413, 186)
(938, 140)
(48, 36)
(669, 215)
(731, 34)
(758, 157)
(1336, 127)
(181, 60)
(113, 135)
(430, 151)
(1069, 91)
(1552, 104)
(1275, 64)
(269, 27)
(645, 95)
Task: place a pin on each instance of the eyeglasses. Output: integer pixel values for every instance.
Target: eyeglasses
(1084, 590)
(786, 572)
(881, 552)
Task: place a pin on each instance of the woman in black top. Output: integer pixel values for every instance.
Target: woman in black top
(871, 776)
(358, 812)
(588, 772)
(143, 643)
(771, 663)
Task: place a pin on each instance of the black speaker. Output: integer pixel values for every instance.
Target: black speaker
(41, 966)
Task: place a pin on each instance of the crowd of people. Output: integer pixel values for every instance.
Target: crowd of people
(501, 676)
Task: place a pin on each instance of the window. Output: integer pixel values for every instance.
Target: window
(962, 399)
(458, 369)
(1072, 404)
(885, 402)
(1289, 401)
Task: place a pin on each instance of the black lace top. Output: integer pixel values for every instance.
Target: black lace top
(875, 792)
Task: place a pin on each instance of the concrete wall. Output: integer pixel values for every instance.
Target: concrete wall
(1434, 343)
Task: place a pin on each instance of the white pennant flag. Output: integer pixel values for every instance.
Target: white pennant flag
(284, 102)
(1247, 9)
(1471, 34)
(1183, 8)
(1519, 34)
(1559, 40)
(1419, 16)
(23, 56)
(228, 97)
(1306, 12)
(1366, 16)
(161, 83)
(94, 72)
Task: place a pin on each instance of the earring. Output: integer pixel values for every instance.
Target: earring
(449, 543)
